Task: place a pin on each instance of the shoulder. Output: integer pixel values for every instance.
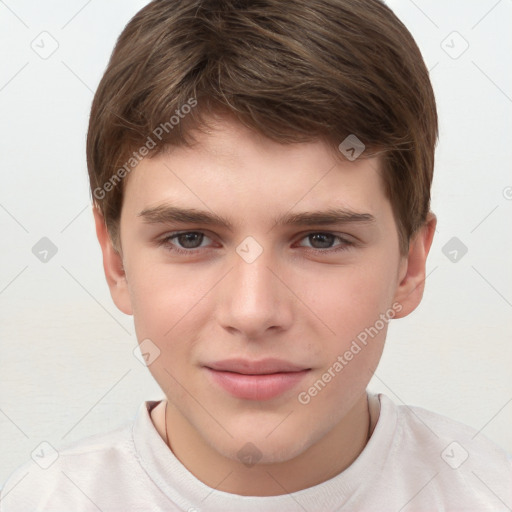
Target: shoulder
(461, 463)
(430, 429)
(55, 476)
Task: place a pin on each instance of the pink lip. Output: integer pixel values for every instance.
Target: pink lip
(256, 380)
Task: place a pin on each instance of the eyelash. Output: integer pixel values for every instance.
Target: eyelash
(343, 246)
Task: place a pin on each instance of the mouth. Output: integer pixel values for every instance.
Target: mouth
(256, 380)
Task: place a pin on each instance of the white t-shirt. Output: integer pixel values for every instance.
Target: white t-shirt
(415, 460)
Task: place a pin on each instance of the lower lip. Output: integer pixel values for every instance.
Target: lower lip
(257, 387)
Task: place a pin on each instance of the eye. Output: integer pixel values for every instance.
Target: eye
(323, 242)
(191, 242)
(186, 242)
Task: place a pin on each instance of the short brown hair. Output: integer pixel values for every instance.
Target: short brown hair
(294, 70)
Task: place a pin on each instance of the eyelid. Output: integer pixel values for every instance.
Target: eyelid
(341, 235)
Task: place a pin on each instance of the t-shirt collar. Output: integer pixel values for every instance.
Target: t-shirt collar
(189, 493)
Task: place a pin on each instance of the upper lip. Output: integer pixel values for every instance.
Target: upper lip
(261, 367)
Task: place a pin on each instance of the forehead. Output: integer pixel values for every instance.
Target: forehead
(242, 172)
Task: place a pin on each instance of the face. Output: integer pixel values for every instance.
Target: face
(292, 269)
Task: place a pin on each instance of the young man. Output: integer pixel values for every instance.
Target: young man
(261, 176)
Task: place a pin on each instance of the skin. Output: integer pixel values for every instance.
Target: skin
(292, 302)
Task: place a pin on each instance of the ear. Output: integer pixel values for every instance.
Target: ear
(113, 266)
(412, 268)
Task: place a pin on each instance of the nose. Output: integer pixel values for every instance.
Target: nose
(252, 299)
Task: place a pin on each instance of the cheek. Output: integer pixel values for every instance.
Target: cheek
(351, 304)
(164, 297)
(170, 308)
(165, 306)
(348, 300)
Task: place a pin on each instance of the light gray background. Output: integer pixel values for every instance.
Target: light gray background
(67, 367)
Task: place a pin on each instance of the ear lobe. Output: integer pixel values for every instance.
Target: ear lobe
(410, 289)
(112, 266)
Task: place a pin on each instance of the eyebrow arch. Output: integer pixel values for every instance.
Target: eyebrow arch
(330, 216)
(172, 214)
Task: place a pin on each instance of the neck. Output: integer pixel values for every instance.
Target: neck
(323, 460)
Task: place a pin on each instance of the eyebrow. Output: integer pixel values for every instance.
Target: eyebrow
(167, 214)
